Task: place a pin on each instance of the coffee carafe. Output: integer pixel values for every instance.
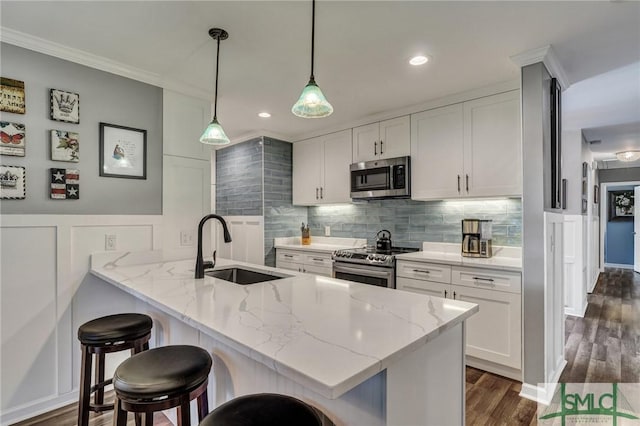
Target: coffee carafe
(476, 238)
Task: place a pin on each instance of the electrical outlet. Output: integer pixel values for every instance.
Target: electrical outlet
(186, 238)
(327, 231)
(110, 242)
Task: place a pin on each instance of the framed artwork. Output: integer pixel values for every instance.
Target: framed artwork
(12, 96)
(585, 168)
(65, 106)
(12, 182)
(596, 194)
(621, 204)
(65, 184)
(123, 152)
(13, 138)
(556, 145)
(65, 146)
(564, 194)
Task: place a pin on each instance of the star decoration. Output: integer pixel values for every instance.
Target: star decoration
(72, 191)
(58, 175)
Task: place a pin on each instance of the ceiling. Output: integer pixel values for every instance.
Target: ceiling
(362, 48)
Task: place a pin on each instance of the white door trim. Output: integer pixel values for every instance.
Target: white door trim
(604, 213)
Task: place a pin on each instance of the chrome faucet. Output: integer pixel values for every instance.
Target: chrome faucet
(227, 239)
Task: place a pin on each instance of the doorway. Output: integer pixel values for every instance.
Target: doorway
(619, 234)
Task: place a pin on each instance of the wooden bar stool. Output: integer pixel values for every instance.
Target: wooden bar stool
(98, 337)
(263, 409)
(162, 378)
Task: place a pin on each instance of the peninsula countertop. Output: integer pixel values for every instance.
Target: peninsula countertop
(327, 334)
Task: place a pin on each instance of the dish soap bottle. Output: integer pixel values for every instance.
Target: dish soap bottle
(306, 236)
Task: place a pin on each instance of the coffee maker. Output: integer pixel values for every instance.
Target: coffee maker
(476, 238)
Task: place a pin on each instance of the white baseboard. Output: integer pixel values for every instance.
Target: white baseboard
(618, 265)
(593, 284)
(544, 392)
(494, 368)
(574, 312)
(37, 407)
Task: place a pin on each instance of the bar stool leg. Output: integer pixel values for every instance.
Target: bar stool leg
(85, 387)
(184, 414)
(148, 419)
(119, 415)
(203, 405)
(99, 396)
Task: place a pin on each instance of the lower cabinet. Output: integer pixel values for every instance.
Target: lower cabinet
(494, 336)
(318, 263)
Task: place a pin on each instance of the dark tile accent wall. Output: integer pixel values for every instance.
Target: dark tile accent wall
(239, 179)
(412, 222)
(281, 218)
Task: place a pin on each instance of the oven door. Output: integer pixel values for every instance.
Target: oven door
(374, 275)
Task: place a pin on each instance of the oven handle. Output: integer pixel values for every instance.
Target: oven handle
(360, 271)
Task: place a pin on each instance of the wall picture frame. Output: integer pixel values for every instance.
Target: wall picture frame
(65, 106)
(556, 144)
(12, 97)
(65, 146)
(12, 183)
(123, 152)
(13, 139)
(621, 205)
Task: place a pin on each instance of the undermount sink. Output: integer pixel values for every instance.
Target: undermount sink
(243, 276)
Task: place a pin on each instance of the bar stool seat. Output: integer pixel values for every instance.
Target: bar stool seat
(112, 333)
(264, 409)
(163, 378)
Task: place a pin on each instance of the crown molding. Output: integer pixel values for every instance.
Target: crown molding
(548, 57)
(47, 47)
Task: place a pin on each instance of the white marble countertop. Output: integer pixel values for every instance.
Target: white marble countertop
(319, 244)
(504, 258)
(327, 334)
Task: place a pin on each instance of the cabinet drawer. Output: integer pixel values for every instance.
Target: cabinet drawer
(318, 259)
(489, 279)
(292, 266)
(423, 287)
(424, 271)
(289, 256)
(318, 270)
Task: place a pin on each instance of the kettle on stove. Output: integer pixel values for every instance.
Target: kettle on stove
(383, 241)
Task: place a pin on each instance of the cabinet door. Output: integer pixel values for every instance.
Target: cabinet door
(436, 153)
(291, 266)
(335, 173)
(493, 333)
(307, 157)
(395, 137)
(493, 147)
(423, 287)
(318, 270)
(366, 142)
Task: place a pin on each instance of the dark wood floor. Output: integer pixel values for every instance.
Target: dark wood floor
(604, 346)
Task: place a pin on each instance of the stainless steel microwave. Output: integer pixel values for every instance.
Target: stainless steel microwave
(378, 179)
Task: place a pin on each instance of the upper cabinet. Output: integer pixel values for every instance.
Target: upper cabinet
(471, 149)
(321, 170)
(385, 139)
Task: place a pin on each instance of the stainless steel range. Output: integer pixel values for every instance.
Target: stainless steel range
(365, 265)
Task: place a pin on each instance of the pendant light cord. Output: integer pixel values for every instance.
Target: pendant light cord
(313, 35)
(215, 93)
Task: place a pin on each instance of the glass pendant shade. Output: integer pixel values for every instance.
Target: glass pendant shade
(214, 134)
(312, 103)
(628, 155)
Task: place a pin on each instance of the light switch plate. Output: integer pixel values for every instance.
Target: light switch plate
(110, 242)
(327, 231)
(186, 238)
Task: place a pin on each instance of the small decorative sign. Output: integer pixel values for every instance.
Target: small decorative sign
(65, 184)
(13, 139)
(65, 106)
(12, 96)
(65, 146)
(123, 152)
(12, 186)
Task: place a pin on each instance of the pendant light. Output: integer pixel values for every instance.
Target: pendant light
(312, 103)
(214, 134)
(632, 155)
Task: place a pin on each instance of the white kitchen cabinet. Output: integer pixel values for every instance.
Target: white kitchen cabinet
(494, 336)
(470, 149)
(321, 170)
(318, 263)
(384, 139)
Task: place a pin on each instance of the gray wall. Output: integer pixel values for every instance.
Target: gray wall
(281, 218)
(104, 97)
(412, 222)
(572, 158)
(629, 174)
(536, 195)
(239, 179)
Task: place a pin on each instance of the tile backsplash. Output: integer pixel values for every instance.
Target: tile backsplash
(412, 222)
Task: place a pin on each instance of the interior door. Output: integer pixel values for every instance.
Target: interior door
(636, 231)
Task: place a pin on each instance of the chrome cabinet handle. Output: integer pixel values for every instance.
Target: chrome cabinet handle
(316, 193)
(467, 176)
(318, 259)
(288, 255)
(381, 152)
(484, 279)
(321, 193)
(424, 271)
(458, 184)
(454, 295)
(375, 147)
(445, 294)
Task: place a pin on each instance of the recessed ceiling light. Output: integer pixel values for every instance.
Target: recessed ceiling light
(264, 115)
(419, 60)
